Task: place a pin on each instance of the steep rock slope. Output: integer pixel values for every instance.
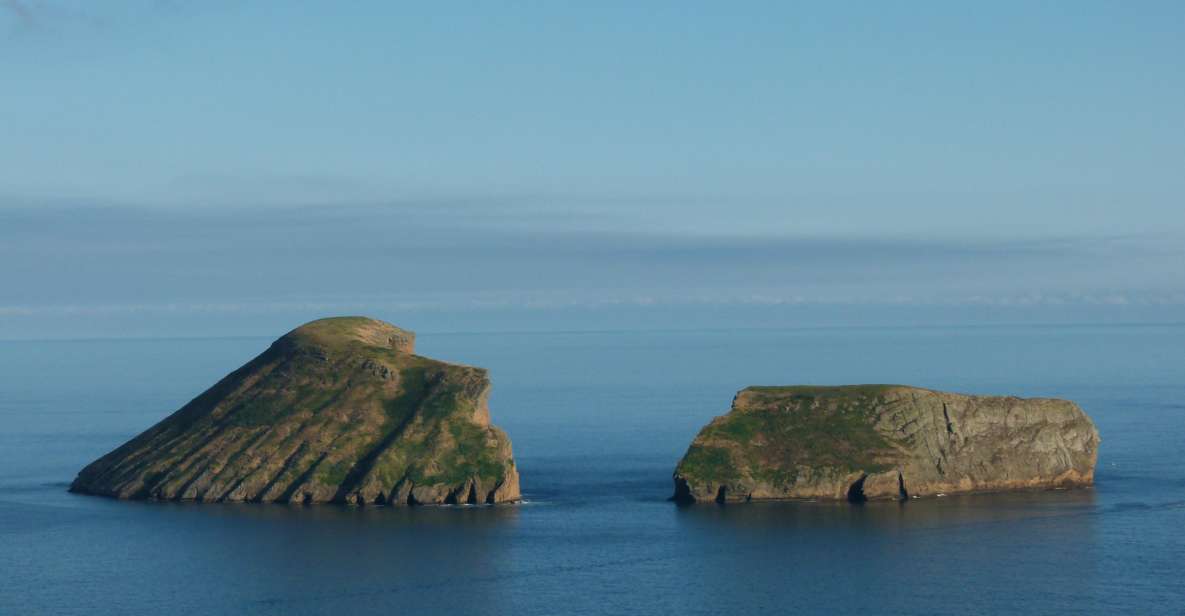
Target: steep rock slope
(337, 410)
(884, 442)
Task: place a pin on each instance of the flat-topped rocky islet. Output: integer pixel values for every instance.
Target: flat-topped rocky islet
(865, 442)
(339, 410)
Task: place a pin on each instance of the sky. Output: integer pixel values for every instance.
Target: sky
(223, 168)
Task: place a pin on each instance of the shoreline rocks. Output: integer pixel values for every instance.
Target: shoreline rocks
(339, 410)
(877, 442)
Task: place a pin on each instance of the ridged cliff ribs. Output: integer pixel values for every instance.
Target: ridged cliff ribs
(865, 442)
(338, 410)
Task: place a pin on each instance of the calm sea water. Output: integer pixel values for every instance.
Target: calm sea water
(598, 421)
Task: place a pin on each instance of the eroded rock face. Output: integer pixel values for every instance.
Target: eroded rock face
(337, 410)
(884, 442)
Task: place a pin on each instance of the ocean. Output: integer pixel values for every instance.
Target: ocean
(598, 421)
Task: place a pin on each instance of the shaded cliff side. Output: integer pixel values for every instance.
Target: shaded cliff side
(337, 410)
(864, 442)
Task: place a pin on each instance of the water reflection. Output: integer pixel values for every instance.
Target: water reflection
(298, 559)
(861, 557)
(891, 516)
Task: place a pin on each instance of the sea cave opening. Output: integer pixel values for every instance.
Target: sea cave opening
(856, 491)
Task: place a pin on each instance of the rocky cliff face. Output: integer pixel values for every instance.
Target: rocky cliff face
(338, 410)
(884, 442)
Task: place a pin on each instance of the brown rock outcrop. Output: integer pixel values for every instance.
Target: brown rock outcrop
(338, 410)
(884, 442)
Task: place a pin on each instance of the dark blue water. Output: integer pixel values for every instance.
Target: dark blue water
(598, 421)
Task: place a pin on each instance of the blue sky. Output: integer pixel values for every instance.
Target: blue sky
(228, 166)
